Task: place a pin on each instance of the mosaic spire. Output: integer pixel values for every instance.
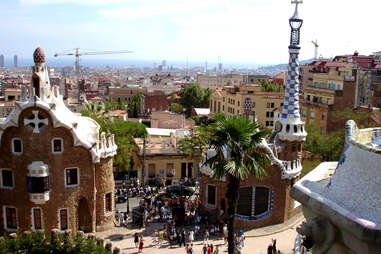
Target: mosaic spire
(290, 126)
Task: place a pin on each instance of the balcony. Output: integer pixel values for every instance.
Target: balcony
(349, 78)
(39, 198)
(38, 182)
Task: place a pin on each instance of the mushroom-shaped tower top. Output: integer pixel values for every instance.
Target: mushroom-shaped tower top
(39, 55)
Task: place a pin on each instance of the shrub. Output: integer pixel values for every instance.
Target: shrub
(42, 242)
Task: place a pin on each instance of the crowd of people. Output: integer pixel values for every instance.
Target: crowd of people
(182, 223)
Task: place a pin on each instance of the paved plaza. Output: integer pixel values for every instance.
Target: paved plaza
(256, 241)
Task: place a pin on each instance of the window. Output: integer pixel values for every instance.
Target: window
(293, 148)
(304, 112)
(268, 105)
(238, 103)
(299, 147)
(37, 218)
(6, 179)
(10, 218)
(211, 195)
(272, 104)
(151, 170)
(57, 145)
(63, 219)
(308, 97)
(254, 201)
(312, 114)
(16, 146)
(190, 169)
(223, 107)
(38, 184)
(322, 116)
(170, 170)
(245, 198)
(108, 202)
(183, 169)
(72, 177)
(261, 204)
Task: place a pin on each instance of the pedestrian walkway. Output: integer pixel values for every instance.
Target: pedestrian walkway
(256, 242)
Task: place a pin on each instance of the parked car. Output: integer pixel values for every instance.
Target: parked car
(170, 197)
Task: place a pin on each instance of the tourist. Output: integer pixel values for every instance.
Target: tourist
(190, 250)
(270, 248)
(136, 240)
(209, 251)
(161, 236)
(274, 246)
(141, 244)
(225, 231)
(206, 236)
(191, 236)
(216, 250)
(211, 248)
(187, 249)
(204, 249)
(182, 240)
(155, 237)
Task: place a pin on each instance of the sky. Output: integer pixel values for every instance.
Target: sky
(245, 31)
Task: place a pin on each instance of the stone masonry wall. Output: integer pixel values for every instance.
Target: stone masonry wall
(104, 184)
(282, 202)
(38, 147)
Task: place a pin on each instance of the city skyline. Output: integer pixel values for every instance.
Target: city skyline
(241, 31)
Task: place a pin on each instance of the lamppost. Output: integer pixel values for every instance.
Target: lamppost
(127, 198)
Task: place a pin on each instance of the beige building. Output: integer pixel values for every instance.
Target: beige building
(232, 100)
(219, 80)
(124, 94)
(163, 161)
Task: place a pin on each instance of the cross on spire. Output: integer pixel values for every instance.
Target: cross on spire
(296, 2)
(36, 123)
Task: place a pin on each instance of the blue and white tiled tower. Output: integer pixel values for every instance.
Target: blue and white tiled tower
(289, 126)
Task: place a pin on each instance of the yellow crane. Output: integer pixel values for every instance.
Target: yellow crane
(316, 48)
(77, 53)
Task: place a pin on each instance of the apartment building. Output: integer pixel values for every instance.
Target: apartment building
(219, 80)
(237, 100)
(347, 81)
(160, 160)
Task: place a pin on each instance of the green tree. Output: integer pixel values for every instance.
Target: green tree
(238, 136)
(134, 109)
(329, 146)
(267, 86)
(124, 132)
(176, 108)
(193, 96)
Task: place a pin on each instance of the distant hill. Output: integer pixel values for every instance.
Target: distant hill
(272, 70)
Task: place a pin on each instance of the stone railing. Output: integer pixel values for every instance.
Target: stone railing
(365, 139)
(107, 146)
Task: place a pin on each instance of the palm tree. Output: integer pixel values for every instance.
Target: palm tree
(235, 139)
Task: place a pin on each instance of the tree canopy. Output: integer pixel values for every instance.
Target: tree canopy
(235, 139)
(193, 96)
(124, 132)
(267, 86)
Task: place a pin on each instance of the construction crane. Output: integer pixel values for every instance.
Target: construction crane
(316, 48)
(77, 54)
